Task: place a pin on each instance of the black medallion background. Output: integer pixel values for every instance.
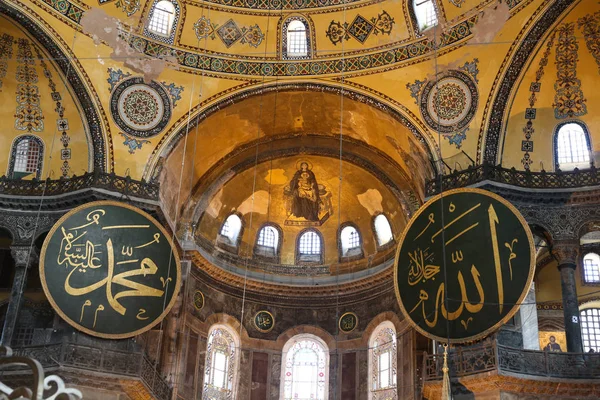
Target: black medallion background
(137, 294)
(470, 216)
(432, 120)
(264, 321)
(348, 322)
(114, 107)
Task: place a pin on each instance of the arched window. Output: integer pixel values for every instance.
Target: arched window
(221, 367)
(350, 242)
(382, 362)
(26, 157)
(231, 230)
(309, 247)
(590, 329)
(306, 369)
(163, 20)
(383, 230)
(267, 242)
(296, 38)
(572, 147)
(426, 14)
(591, 268)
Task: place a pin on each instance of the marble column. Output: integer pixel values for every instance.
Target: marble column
(25, 257)
(565, 252)
(529, 321)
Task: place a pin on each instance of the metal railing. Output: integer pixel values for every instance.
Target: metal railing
(89, 180)
(495, 357)
(528, 179)
(118, 362)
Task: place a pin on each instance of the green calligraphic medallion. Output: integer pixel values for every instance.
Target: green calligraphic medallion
(264, 321)
(348, 322)
(110, 270)
(463, 282)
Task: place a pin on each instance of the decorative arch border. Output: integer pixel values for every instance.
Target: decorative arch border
(298, 256)
(77, 79)
(371, 356)
(168, 142)
(174, 29)
(282, 27)
(557, 128)
(277, 256)
(235, 368)
(13, 154)
(488, 146)
(343, 258)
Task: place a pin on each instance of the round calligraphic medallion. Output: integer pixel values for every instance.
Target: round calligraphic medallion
(110, 270)
(448, 104)
(140, 109)
(348, 322)
(463, 282)
(264, 321)
(198, 300)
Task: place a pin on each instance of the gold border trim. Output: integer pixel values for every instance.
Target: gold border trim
(75, 324)
(203, 300)
(515, 307)
(340, 322)
(256, 326)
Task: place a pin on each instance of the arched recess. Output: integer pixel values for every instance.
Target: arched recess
(493, 128)
(213, 105)
(80, 84)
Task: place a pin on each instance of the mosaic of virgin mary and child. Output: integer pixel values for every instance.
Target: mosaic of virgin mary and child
(307, 202)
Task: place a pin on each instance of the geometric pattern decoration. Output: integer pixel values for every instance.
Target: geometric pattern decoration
(62, 124)
(360, 28)
(229, 33)
(139, 109)
(28, 115)
(6, 52)
(569, 101)
(589, 24)
(129, 7)
(531, 111)
(170, 39)
(449, 103)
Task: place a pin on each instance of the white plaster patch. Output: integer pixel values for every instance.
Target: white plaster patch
(260, 204)
(371, 200)
(215, 204)
(276, 176)
(490, 23)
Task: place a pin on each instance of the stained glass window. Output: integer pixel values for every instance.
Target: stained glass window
(383, 230)
(383, 359)
(231, 228)
(306, 368)
(590, 329)
(162, 18)
(572, 149)
(221, 364)
(591, 268)
(296, 39)
(268, 237)
(426, 14)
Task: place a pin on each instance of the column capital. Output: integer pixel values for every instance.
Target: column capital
(566, 252)
(24, 256)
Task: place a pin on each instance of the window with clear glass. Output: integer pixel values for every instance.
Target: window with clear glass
(231, 228)
(297, 45)
(350, 241)
(221, 364)
(383, 354)
(306, 369)
(310, 243)
(590, 329)
(383, 230)
(27, 157)
(426, 14)
(591, 268)
(163, 16)
(268, 237)
(572, 148)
